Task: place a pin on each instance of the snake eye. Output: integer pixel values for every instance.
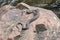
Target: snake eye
(40, 28)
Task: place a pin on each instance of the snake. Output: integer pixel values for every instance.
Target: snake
(36, 15)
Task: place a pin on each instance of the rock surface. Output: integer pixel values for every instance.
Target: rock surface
(51, 22)
(47, 17)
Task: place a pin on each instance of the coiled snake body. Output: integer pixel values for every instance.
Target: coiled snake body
(36, 15)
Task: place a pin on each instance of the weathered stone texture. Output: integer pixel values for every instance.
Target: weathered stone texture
(47, 17)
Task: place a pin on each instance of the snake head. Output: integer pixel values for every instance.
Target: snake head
(29, 11)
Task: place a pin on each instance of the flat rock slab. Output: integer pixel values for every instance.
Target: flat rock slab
(47, 17)
(51, 22)
(11, 15)
(4, 9)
